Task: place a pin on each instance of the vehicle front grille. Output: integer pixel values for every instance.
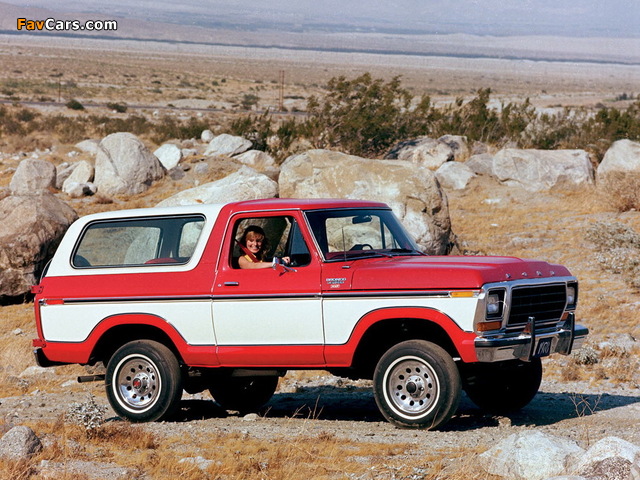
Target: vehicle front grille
(544, 302)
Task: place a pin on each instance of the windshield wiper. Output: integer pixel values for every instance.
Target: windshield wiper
(406, 251)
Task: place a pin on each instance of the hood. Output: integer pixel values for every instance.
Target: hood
(450, 272)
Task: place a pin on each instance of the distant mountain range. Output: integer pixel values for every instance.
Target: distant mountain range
(344, 25)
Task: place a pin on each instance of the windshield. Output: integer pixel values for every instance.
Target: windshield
(355, 233)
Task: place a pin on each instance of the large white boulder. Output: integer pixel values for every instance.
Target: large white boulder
(606, 449)
(32, 226)
(125, 166)
(539, 170)
(169, 155)
(423, 151)
(260, 161)
(82, 172)
(226, 144)
(454, 175)
(89, 146)
(245, 184)
(33, 177)
(412, 192)
(622, 159)
(530, 455)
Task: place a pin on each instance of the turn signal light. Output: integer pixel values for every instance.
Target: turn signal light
(488, 326)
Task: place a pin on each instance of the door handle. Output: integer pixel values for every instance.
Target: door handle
(231, 284)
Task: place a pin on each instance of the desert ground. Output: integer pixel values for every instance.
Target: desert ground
(319, 426)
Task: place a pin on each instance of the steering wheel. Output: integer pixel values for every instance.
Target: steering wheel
(361, 246)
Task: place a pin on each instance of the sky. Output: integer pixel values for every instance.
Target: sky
(591, 18)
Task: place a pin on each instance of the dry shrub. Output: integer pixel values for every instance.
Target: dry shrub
(622, 191)
(17, 469)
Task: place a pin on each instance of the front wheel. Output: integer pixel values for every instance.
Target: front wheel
(416, 384)
(143, 381)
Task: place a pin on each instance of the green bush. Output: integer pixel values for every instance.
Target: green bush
(117, 107)
(74, 104)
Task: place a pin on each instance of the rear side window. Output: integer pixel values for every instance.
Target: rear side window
(138, 242)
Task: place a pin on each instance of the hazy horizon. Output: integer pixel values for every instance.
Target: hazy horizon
(585, 18)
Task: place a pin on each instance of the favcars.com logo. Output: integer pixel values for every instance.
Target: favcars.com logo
(51, 24)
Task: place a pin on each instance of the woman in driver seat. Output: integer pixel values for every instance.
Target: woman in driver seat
(254, 245)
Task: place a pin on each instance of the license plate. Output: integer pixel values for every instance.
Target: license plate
(544, 347)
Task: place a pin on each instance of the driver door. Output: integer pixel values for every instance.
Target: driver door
(269, 316)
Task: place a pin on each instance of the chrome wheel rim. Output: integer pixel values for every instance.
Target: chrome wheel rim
(138, 383)
(411, 387)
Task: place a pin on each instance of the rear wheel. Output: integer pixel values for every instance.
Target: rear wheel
(243, 394)
(143, 381)
(417, 385)
(503, 387)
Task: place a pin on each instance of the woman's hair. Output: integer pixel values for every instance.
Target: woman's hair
(256, 231)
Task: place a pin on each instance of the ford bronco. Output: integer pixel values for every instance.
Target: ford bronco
(157, 295)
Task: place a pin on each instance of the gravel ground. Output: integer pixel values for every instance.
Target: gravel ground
(347, 410)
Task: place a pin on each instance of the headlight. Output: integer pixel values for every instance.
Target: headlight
(494, 303)
(571, 296)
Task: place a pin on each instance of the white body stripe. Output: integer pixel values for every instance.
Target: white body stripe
(341, 314)
(268, 322)
(73, 322)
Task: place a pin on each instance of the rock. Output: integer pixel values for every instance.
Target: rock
(33, 177)
(188, 152)
(32, 226)
(454, 175)
(206, 136)
(88, 146)
(226, 144)
(621, 161)
(603, 453)
(64, 171)
(19, 443)
(124, 166)
(538, 170)
(245, 184)
(612, 468)
(169, 155)
(458, 145)
(424, 151)
(201, 168)
(481, 164)
(260, 161)
(412, 192)
(78, 190)
(81, 172)
(530, 455)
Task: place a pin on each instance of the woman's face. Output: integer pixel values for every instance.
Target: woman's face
(254, 242)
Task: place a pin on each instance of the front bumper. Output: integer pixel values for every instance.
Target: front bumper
(531, 344)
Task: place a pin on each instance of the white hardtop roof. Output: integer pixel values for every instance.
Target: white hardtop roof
(209, 210)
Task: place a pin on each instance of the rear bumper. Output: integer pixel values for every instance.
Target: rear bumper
(532, 344)
(42, 360)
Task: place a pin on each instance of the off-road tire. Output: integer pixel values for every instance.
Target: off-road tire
(143, 381)
(416, 384)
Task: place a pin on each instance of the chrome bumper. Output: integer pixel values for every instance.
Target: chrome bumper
(531, 344)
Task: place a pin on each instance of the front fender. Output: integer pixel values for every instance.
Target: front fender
(342, 355)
